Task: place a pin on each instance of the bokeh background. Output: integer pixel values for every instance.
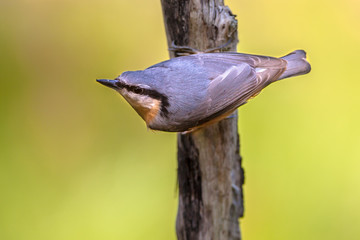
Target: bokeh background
(76, 162)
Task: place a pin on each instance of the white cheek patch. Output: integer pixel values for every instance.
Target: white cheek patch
(138, 100)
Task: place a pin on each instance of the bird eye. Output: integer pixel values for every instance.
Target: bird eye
(138, 90)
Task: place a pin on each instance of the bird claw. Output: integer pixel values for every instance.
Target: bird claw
(182, 50)
(185, 50)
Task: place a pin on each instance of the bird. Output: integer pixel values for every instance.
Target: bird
(186, 93)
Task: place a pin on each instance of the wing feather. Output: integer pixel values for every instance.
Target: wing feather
(244, 77)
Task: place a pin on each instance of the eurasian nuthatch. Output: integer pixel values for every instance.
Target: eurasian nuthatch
(189, 92)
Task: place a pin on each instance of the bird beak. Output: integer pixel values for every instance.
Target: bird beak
(109, 83)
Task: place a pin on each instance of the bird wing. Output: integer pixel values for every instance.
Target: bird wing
(266, 68)
(243, 77)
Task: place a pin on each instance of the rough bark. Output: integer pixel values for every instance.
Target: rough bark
(209, 165)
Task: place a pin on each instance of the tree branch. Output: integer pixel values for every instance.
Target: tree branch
(209, 165)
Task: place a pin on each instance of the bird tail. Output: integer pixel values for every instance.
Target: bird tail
(296, 64)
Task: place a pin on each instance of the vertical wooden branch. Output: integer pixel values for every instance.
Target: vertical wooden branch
(209, 165)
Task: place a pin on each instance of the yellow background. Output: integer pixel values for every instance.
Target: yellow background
(76, 162)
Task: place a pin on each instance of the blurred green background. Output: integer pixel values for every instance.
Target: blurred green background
(76, 162)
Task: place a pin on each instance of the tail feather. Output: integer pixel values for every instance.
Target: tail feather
(296, 64)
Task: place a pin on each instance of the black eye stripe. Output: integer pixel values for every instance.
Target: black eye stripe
(138, 90)
(151, 93)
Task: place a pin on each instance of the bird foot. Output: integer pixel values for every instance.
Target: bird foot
(185, 50)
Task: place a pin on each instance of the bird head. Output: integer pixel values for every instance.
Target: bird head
(147, 102)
